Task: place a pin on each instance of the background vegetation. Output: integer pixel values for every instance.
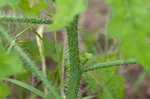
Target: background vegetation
(40, 59)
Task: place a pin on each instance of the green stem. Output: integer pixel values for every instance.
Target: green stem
(107, 64)
(25, 20)
(16, 37)
(73, 50)
(31, 65)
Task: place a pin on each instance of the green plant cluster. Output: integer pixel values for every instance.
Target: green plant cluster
(132, 18)
(10, 64)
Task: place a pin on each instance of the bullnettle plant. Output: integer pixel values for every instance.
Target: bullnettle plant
(130, 22)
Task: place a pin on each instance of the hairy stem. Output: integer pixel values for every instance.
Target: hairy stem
(31, 65)
(16, 37)
(107, 64)
(25, 20)
(73, 50)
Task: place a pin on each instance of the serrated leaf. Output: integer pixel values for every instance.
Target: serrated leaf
(66, 10)
(131, 25)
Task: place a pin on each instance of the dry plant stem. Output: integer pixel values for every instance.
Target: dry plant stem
(62, 67)
(40, 46)
(73, 50)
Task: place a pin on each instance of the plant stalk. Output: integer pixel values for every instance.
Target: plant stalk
(73, 50)
(31, 65)
(107, 64)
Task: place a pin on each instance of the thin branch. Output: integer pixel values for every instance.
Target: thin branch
(25, 20)
(107, 64)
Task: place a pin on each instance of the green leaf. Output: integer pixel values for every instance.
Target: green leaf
(9, 64)
(131, 23)
(26, 86)
(32, 8)
(115, 85)
(32, 49)
(66, 10)
(4, 91)
(31, 65)
(2, 50)
(50, 49)
(109, 84)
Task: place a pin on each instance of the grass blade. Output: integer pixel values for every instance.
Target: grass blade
(26, 86)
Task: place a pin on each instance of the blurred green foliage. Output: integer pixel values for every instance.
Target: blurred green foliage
(33, 7)
(8, 2)
(30, 8)
(10, 64)
(4, 90)
(31, 47)
(66, 10)
(106, 82)
(130, 22)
